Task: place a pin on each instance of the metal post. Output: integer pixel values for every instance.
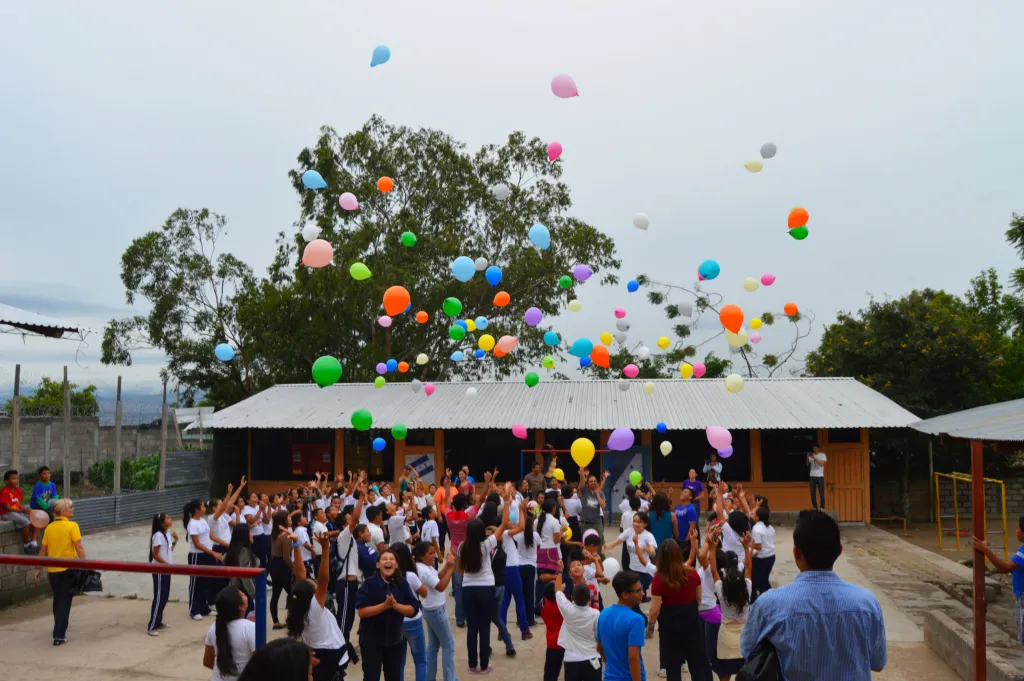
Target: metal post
(65, 457)
(931, 470)
(260, 584)
(162, 479)
(16, 420)
(956, 515)
(117, 440)
(937, 507)
(978, 521)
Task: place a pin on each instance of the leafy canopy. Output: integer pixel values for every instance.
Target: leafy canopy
(48, 400)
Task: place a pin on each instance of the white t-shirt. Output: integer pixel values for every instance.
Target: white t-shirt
(485, 577)
(268, 523)
(626, 521)
(818, 465)
(222, 528)
(322, 503)
(321, 630)
(590, 576)
(646, 539)
(578, 635)
(624, 505)
(527, 554)
(731, 542)
(242, 637)
(347, 546)
(707, 589)
(573, 505)
(729, 612)
(376, 535)
(198, 527)
(428, 576)
(765, 536)
(302, 537)
(548, 531)
(420, 502)
(318, 529)
(163, 542)
(396, 527)
(429, 532)
(257, 528)
(508, 544)
(414, 583)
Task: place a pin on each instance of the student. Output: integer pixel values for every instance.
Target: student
(708, 610)
(231, 640)
(763, 543)
(1014, 566)
(44, 493)
(620, 631)
(200, 552)
(645, 542)
(375, 519)
(240, 555)
(513, 578)
(577, 635)
(62, 539)
(435, 616)
(578, 574)
(220, 531)
(696, 488)
(593, 566)
(162, 543)
(549, 525)
(675, 592)
(663, 521)
(489, 517)
(733, 589)
(412, 627)
(252, 514)
(281, 564)
(314, 623)
(457, 519)
(299, 529)
(527, 545)
(554, 654)
(383, 602)
(12, 511)
(430, 532)
(317, 528)
(687, 513)
(347, 579)
(283, 659)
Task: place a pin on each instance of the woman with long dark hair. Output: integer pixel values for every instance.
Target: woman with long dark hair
(162, 542)
(383, 602)
(527, 547)
(310, 620)
(435, 616)
(663, 520)
(283, 659)
(231, 640)
(734, 590)
(281, 562)
(675, 593)
(412, 627)
(550, 527)
(200, 552)
(240, 555)
(763, 542)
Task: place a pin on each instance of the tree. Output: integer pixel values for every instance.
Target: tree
(656, 366)
(48, 400)
(1015, 236)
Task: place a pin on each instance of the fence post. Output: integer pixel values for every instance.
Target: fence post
(16, 420)
(96, 442)
(117, 440)
(162, 479)
(66, 456)
(46, 443)
(261, 609)
(138, 441)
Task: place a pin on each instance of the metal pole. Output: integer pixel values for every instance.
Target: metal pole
(956, 515)
(162, 480)
(16, 420)
(65, 457)
(260, 584)
(931, 470)
(978, 520)
(117, 440)
(1006, 536)
(937, 508)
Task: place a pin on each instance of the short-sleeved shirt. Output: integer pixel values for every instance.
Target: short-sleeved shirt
(415, 583)
(255, 526)
(618, 630)
(162, 542)
(684, 516)
(59, 540)
(317, 529)
(484, 576)
(818, 462)
(302, 537)
(428, 576)
(590, 512)
(11, 496)
(429, 532)
(457, 521)
(685, 593)
(198, 527)
(242, 639)
(1018, 575)
(646, 539)
(695, 486)
(348, 553)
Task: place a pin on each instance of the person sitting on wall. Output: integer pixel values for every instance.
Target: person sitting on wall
(44, 493)
(12, 511)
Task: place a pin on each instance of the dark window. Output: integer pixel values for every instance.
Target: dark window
(484, 450)
(837, 435)
(690, 449)
(784, 454)
(272, 451)
(420, 438)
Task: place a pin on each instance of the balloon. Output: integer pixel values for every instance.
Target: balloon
(585, 362)
(493, 275)
(396, 299)
(620, 338)
(415, 385)
(582, 450)
(665, 447)
(452, 307)
(481, 322)
(399, 431)
(767, 279)
(581, 347)
(582, 272)
(623, 385)
(498, 352)
(463, 268)
(501, 299)
(403, 367)
(622, 325)
(500, 191)
(470, 325)
(422, 317)
(551, 338)
(326, 371)
(519, 430)
(663, 342)
(309, 233)
(632, 285)
(768, 150)
(408, 239)
(381, 368)
(456, 332)
(649, 387)
(458, 356)
(699, 369)
(317, 253)
(548, 362)
(385, 184)
(799, 233)
(554, 151)
(381, 54)
(718, 437)
(311, 180)
(686, 370)
(359, 271)
(567, 535)
(479, 354)
(756, 323)
(563, 86)
(631, 370)
(685, 309)
(726, 452)
(737, 340)
(480, 264)
(619, 313)
(734, 383)
(470, 392)
(385, 321)
(606, 338)
(700, 277)
(709, 269)
(379, 444)
(640, 221)
(755, 338)
(601, 357)
(754, 166)
(422, 359)
(486, 342)
(379, 382)
(644, 352)
(575, 305)
(731, 317)
(223, 352)
(533, 316)
(565, 281)
(611, 567)
(798, 217)
(750, 284)
(532, 379)
(558, 474)
(428, 388)
(361, 419)
(39, 518)
(790, 309)
(635, 478)
(348, 201)
(463, 324)
(507, 343)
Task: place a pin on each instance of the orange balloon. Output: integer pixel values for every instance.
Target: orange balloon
(501, 299)
(385, 184)
(422, 317)
(396, 299)
(790, 309)
(731, 317)
(798, 217)
(601, 357)
(403, 367)
(498, 352)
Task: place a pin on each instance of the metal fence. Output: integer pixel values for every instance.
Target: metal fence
(185, 468)
(110, 511)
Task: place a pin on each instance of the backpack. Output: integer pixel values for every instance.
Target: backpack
(367, 560)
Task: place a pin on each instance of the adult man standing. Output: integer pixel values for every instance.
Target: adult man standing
(621, 629)
(535, 479)
(592, 500)
(816, 460)
(821, 627)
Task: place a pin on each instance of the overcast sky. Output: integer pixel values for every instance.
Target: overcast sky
(897, 124)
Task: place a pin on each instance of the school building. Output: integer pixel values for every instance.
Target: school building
(285, 434)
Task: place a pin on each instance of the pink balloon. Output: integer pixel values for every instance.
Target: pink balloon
(718, 437)
(619, 313)
(699, 369)
(507, 343)
(384, 321)
(755, 337)
(767, 279)
(700, 277)
(317, 253)
(348, 201)
(631, 370)
(554, 150)
(563, 86)
(519, 430)
(428, 388)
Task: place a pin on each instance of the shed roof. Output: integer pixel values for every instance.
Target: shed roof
(1000, 422)
(30, 322)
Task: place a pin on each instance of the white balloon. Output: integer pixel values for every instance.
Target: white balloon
(611, 567)
(623, 385)
(621, 338)
(768, 150)
(480, 264)
(737, 340)
(470, 392)
(416, 385)
(310, 233)
(644, 352)
(500, 191)
(622, 325)
(734, 383)
(640, 221)
(666, 447)
(685, 309)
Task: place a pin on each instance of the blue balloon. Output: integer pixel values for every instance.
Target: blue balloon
(379, 445)
(480, 354)
(463, 268)
(582, 347)
(661, 427)
(493, 275)
(463, 324)
(584, 362)
(313, 180)
(709, 269)
(457, 356)
(392, 365)
(632, 286)
(540, 236)
(381, 54)
(407, 308)
(224, 352)
(481, 323)
(551, 338)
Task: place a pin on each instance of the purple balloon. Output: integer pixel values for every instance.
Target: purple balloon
(582, 272)
(382, 368)
(620, 440)
(725, 453)
(533, 316)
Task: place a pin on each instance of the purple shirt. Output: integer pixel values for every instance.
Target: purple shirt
(695, 487)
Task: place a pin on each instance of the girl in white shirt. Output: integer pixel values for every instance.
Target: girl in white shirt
(435, 618)
(429, 533)
(733, 589)
(514, 580)
(161, 545)
(200, 552)
(526, 546)
(645, 542)
(763, 543)
(309, 619)
(412, 627)
(231, 640)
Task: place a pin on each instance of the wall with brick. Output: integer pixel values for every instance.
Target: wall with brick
(16, 581)
(89, 442)
(886, 499)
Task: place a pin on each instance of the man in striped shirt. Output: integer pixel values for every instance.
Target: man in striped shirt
(821, 627)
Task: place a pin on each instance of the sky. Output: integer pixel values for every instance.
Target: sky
(897, 126)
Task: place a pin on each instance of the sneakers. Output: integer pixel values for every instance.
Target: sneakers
(510, 652)
(662, 673)
(162, 626)
(154, 632)
(527, 635)
(489, 669)
(59, 641)
(197, 618)
(460, 625)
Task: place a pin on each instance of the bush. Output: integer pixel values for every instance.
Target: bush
(136, 474)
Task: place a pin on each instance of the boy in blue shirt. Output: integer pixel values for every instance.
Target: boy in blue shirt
(44, 493)
(1016, 566)
(620, 631)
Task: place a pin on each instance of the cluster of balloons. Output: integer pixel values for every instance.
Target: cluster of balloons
(768, 150)
(797, 223)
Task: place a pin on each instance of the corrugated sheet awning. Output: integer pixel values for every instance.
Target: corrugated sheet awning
(30, 322)
(575, 405)
(1003, 422)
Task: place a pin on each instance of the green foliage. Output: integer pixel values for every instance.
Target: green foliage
(139, 474)
(48, 400)
(1015, 237)
(657, 366)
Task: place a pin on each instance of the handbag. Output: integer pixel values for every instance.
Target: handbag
(762, 664)
(85, 581)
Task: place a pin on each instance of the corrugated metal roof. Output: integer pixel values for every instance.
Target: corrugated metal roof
(35, 323)
(1002, 422)
(575, 405)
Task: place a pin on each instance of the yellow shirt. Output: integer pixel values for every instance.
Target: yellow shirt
(59, 540)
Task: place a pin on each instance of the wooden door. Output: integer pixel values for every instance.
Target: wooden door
(845, 481)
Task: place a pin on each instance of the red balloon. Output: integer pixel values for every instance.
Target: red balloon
(790, 309)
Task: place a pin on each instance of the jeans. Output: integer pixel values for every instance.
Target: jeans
(417, 643)
(760, 577)
(514, 590)
(460, 605)
(161, 590)
(439, 636)
(499, 595)
(817, 483)
(378, 657)
(60, 583)
(479, 605)
(528, 576)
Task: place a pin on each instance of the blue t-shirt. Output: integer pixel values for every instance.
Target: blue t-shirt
(685, 516)
(43, 494)
(619, 629)
(1018, 574)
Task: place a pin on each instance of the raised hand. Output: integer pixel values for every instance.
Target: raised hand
(449, 559)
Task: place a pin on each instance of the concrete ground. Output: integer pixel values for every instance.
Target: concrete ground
(108, 639)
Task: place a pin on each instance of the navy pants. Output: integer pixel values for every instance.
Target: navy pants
(199, 588)
(161, 590)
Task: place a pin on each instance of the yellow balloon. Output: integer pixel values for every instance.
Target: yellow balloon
(737, 340)
(422, 359)
(663, 342)
(558, 474)
(582, 451)
(649, 387)
(686, 369)
(567, 535)
(754, 166)
(734, 383)
(486, 342)
(470, 325)
(749, 283)
(575, 305)
(756, 323)
(666, 447)
(606, 338)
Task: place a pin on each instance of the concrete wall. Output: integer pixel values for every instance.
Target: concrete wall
(955, 646)
(84, 444)
(887, 498)
(16, 583)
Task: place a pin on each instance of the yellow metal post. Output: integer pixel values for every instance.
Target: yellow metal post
(956, 514)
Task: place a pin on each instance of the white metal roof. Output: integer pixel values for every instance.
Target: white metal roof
(23, 320)
(1003, 422)
(574, 405)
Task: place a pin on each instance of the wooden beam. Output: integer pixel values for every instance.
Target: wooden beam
(756, 461)
(439, 462)
(339, 455)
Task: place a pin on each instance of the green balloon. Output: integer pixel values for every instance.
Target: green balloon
(379, 382)
(399, 431)
(452, 307)
(565, 281)
(532, 379)
(361, 420)
(548, 362)
(798, 233)
(408, 239)
(326, 371)
(635, 478)
(359, 271)
(456, 333)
